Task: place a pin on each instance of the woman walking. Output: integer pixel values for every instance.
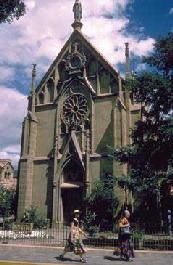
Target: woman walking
(74, 242)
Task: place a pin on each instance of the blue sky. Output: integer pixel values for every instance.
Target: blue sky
(153, 16)
(41, 33)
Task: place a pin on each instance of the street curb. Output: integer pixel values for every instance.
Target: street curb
(89, 249)
(29, 263)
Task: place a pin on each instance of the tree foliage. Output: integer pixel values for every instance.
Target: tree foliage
(162, 58)
(11, 9)
(101, 204)
(7, 201)
(33, 216)
(152, 136)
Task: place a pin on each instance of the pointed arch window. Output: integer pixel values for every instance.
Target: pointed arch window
(41, 97)
(50, 88)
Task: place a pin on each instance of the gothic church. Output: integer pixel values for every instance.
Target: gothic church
(80, 106)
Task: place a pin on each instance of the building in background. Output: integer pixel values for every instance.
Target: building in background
(80, 106)
(7, 174)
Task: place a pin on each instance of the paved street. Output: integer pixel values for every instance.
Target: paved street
(95, 257)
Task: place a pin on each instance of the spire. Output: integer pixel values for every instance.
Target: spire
(127, 64)
(33, 76)
(33, 87)
(77, 10)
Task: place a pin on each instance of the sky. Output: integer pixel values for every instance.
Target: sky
(41, 33)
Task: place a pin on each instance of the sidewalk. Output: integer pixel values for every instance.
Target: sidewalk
(49, 255)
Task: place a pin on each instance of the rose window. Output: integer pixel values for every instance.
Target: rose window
(75, 110)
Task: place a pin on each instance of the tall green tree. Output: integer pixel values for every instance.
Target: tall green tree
(152, 146)
(102, 203)
(11, 9)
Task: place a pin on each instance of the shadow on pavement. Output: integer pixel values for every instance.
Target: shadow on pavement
(66, 259)
(112, 258)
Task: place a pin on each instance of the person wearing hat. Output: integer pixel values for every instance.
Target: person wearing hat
(74, 242)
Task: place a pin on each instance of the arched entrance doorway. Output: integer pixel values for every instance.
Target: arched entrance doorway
(72, 189)
(72, 199)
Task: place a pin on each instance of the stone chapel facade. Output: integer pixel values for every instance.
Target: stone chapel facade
(79, 107)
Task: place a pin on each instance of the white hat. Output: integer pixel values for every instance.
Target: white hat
(76, 211)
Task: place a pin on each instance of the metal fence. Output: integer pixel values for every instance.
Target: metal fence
(30, 236)
(142, 240)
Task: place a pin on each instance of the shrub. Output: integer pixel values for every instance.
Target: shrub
(88, 223)
(101, 206)
(31, 215)
(138, 235)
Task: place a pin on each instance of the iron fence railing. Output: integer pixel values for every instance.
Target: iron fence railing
(57, 236)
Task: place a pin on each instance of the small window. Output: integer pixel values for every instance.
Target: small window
(50, 87)
(41, 97)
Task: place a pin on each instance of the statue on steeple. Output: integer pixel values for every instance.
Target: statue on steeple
(77, 10)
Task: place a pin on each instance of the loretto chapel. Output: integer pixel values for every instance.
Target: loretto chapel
(80, 106)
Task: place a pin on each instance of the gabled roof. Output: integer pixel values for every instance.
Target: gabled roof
(99, 55)
(90, 46)
(4, 162)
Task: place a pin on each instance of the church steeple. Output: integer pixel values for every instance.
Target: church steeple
(77, 10)
(33, 87)
(127, 63)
